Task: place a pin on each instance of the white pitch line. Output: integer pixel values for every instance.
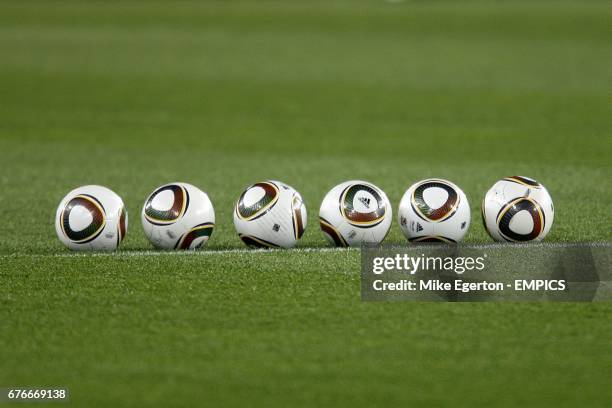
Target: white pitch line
(395, 247)
(129, 254)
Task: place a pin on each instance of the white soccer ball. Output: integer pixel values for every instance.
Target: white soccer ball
(91, 218)
(518, 209)
(354, 213)
(270, 214)
(178, 216)
(434, 210)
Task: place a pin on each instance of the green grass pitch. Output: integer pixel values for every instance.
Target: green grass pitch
(222, 94)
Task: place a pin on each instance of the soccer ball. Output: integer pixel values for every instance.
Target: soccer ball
(270, 214)
(354, 213)
(178, 216)
(91, 218)
(517, 209)
(434, 210)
